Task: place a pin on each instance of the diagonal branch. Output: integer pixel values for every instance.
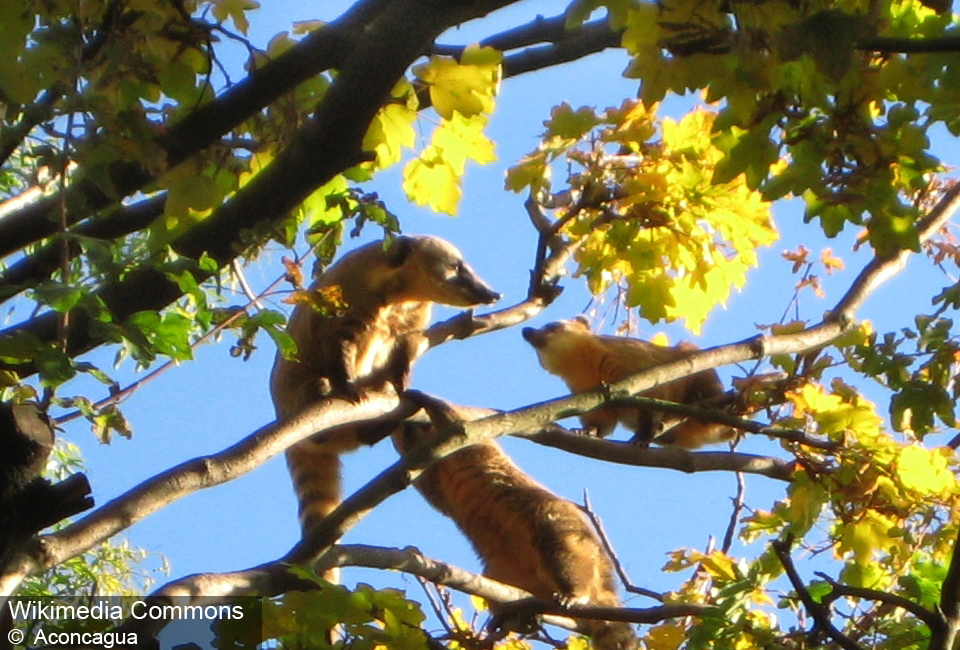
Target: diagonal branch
(185, 478)
(328, 144)
(323, 49)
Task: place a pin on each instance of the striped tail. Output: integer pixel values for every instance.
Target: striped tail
(315, 470)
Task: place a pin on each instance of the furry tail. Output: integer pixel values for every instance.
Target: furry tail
(692, 433)
(315, 470)
(611, 635)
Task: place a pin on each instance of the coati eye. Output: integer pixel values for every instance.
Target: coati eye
(452, 271)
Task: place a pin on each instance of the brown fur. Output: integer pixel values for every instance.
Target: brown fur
(585, 361)
(369, 345)
(526, 536)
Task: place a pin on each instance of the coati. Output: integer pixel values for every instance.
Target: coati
(585, 361)
(368, 345)
(525, 535)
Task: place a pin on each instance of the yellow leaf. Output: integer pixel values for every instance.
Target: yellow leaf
(925, 471)
(719, 565)
(430, 180)
(660, 338)
(861, 538)
(390, 131)
(668, 636)
(234, 9)
(461, 138)
(468, 87)
(807, 499)
(532, 171)
(759, 596)
(575, 642)
(568, 123)
(829, 261)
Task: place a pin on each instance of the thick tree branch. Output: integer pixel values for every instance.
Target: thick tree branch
(589, 39)
(565, 44)
(38, 266)
(324, 147)
(944, 632)
(185, 478)
(891, 45)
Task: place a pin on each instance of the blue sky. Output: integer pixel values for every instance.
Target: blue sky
(202, 407)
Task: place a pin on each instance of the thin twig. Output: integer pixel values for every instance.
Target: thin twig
(819, 613)
(254, 299)
(608, 547)
(426, 585)
(930, 618)
(738, 505)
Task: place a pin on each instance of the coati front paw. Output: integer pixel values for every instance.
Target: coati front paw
(571, 600)
(590, 432)
(351, 393)
(640, 440)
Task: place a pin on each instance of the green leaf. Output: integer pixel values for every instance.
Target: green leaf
(830, 37)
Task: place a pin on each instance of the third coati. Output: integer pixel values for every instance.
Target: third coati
(525, 535)
(586, 361)
(368, 345)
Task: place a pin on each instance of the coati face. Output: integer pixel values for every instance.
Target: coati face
(433, 269)
(557, 334)
(559, 344)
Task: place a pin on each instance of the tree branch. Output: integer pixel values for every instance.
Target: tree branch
(541, 291)
(925, 615)
(625, 453)
(819, 613)
(38, 266)
(566, 44)
(178, 481)
(325, 146)
(275, 578)
(891, 45)
(720, 417)
(943, 633)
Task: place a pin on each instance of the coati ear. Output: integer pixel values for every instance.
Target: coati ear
(399, 250)
(583, 320)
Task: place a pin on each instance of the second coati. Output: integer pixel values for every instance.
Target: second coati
(586, 361)
(370, 344)
(525, 535)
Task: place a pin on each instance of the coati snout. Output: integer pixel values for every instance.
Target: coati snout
(435, 270)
